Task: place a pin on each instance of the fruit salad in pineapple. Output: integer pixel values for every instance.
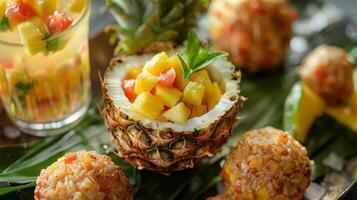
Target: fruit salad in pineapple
(169, 110)
(158, 90)
(44, 63)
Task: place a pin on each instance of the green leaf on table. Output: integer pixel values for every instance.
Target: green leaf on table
(7, 190)
(4, 24)
(195, 57)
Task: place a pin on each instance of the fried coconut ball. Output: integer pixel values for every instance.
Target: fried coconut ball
(266, 164)
(256, 33)
(83, 175)
(327, 71)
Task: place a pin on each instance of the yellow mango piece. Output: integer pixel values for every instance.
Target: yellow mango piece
(169, 96)
(176, 64)
(31, 37)
(48, 7)
(203, 78)
(193, 93)
(148, 105)
(178, 114)
(40, 25)
(199, 110)
(3, 4)
(132, 72)
(214, 96)
(311, 106)
(159, 63)
(145, 82)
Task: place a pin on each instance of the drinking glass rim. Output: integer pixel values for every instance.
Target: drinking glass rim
(67, 31)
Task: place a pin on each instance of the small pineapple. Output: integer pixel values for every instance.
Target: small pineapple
(169, 96)
(145, 82)
(159, 63)
(194, 93)
(178, 114)
(31, 37)
(152, 26)
(148, 105)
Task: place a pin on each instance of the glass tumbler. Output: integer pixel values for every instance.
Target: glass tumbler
(47, 93)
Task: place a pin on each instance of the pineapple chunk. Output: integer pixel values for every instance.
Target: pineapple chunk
(203, 78)
(48, 7)
(132, 72)
(145, 82)
(77, 5)
(31, 37)
(214, 96)
(199, 110)
(178, 114)
(3, 5)
(169, 96)
(148, 105)
(193, 93)
(176, 64)
(40, 25)
(159, 63)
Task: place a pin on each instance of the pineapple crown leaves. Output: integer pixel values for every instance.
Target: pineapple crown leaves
(144, 25)
(196, 57)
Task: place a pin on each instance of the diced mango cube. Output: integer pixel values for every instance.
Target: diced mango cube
(176, 64)
(148, 105)
(3, 4)
(31, 37)
(214, 96)
(159, 63)
(203, 78)
(77, 5)
(169, 96)
(145, 82)
(178, 114)
(132, 72)
(40, 25)
(199, 110)
(193, 93)
(48, 7)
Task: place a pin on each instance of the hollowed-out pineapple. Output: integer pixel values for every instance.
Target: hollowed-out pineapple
(163, 130)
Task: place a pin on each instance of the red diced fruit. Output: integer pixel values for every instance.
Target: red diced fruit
(168, 77)
(18, 12)
(128, 88)
(70, 159)
(58, 22)
(6, 64)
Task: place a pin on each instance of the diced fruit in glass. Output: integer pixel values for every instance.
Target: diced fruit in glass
(48, 7)
(3, 5)
(178, 114)
(148, 105)
(203, 78)
(193, 93)
(128, 88)
(145, 82)
(168, 77)
(176, 64)
(40, 25)
(31, 37)
(214, 96)
(132, 72)
(199, 110)
(159, 63)
(18, 11)
(58, 22)
(169, 96)
(77, 5)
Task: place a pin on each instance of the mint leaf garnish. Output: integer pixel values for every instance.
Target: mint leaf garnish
(4, 24)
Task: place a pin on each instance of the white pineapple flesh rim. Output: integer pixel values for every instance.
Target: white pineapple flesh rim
(221, 71)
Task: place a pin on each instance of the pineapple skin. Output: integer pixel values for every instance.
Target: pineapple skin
(165, 150)
(267, 164)
(256, 33)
